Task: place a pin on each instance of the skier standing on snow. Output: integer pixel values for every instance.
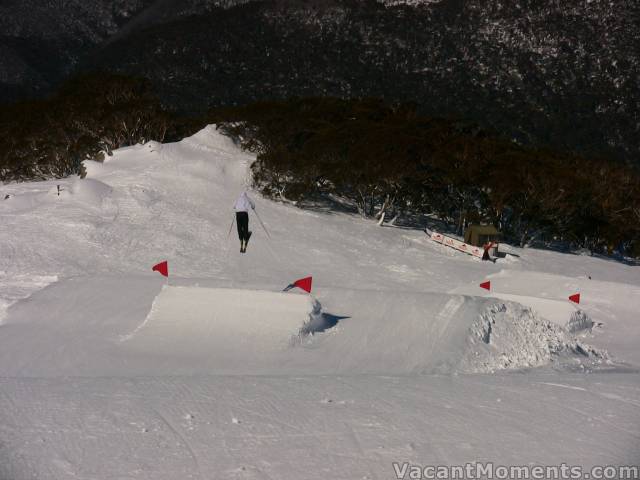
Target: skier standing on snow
(242, 219)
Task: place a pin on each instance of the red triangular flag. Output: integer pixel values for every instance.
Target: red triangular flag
(575, 298)
(486, 285)
(162, 268)
(303, 283)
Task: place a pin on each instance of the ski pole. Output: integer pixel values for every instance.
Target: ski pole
(263, 227)
(273, 253)
(231, 227)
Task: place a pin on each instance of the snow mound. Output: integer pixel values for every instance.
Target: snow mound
(580, 321)
(85, 192)
(21, 203)
(210, 140)
(558, 311)
(214, 158)
(90, 192)
(512, 336)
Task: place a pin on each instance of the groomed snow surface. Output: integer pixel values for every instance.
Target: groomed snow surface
(109, 371)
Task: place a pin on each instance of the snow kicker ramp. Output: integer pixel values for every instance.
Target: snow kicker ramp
(133, 327)
(218, 330)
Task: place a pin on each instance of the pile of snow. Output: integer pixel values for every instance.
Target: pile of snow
(407, 332)
(20, 203)
(90, 192)
(511, 336)
(580, 322)
(83, 192)
(606, 314)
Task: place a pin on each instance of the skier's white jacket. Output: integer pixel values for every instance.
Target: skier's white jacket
(243, 203)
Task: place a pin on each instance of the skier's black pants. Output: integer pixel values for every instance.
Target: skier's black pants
(242, 220)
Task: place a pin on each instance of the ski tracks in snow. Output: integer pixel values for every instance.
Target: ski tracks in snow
(313, 427)
(182, 440)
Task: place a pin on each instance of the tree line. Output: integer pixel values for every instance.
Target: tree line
(89, 117)
(387, 160)
(390, 160)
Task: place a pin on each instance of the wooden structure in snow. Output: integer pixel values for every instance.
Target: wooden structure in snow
(476, 251)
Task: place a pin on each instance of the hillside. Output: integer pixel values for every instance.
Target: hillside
(561, 73)
(43, 43)
(107, 370)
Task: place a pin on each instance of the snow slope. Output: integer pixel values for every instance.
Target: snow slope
(107, 371)
(301, 427)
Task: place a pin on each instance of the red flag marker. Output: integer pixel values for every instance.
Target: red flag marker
(162, 268)
(575, 298)
(486, 285)
(303, 283)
